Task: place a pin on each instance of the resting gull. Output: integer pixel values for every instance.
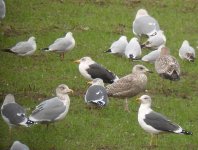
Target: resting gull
(24, 48)
(53, 109)
(62, 45)
(129, 85)
(133, 49)
(186, 51)
(2, 9)
(96, 94)
(155, 123)
(118, 47)
(152, 56)
(167, 66)
(19, 146)
(91, 70)
(144, 24)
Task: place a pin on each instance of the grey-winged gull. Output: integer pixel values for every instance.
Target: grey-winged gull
(62, 45)
(167, 66)
(155, 123)
(152, 56)
(118, 47)
(133, 49)
(23, 48)
(17, 145)
(2, 9)
(91, 70)
(144, 24)
(129, 85)
(53, 109)
(96, 94)
(186, 51)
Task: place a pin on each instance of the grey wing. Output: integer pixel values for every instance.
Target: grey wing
(48, 110)
(22, 48)
(61, 45)
(19, 146)
(152, 56)
(160, 122)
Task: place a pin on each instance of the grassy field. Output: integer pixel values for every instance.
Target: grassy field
(95, 24)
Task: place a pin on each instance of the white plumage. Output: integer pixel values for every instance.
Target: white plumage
(186, 51)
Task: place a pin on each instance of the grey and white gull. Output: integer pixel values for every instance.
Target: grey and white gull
(186, 51)
(17, 145)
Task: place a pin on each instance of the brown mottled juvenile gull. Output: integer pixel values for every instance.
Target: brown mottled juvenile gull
(129, 85)
(53, 109)
(167, 66)
(155, 123)
(19, 146)
(186, 51)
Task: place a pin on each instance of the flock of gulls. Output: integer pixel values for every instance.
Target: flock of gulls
(97, 95)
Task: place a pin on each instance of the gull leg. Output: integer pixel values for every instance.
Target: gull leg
(151, 141)
(126, 108)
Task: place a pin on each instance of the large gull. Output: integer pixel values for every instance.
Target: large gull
(118, 47)
(23, 48)
(129, 85)
(53, 109)
(17, 145)
(2, 9)
(96, 94)
(144, 24)
(167, 66)
(155, 123)
(91, 70)
(186, 51)
(62, 45)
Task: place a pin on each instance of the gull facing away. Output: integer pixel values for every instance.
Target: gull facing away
(96, 94)
(17, 145)
(62, 45)
(53, 109)
(24, 48)
(133, 49)
(155, 41)
(2, 9)
(129, 85)
(144, 24)
(118, 47)
(91, 70)
(167, 66)
(186, 51)
(155, 123)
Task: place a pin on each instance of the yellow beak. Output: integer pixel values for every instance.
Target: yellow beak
(90, 82)
(70, 91)
(138, 100)
(77, 61)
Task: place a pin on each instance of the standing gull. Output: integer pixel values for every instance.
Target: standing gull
(167, 66)
(144, 24)
(2, 9)
(19, 146)
(118, 47)
(53, 109)
(133, 49)
(91, 70)
(186, 51)
(96, 94)
(23, 48)
(155, 123)
(129, 85)
(62, 45)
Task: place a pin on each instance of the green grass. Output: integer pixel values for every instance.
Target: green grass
(95, 25)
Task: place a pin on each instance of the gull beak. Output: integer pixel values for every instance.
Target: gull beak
(149, 71)
(138, 100)
(90, 82)
(77, 61)
(70, 91)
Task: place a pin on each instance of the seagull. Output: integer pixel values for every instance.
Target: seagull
(155, 123)
(167, 66)
(53, 109)
(91, 70)
(13, 114)
(133, 49)
(62, 45)
(24, 48)
(152, 56)
(155, 41)
(2, 9)
(118, 47)
(129, 85)
(96, 94)
(186, 51)
(19, 146)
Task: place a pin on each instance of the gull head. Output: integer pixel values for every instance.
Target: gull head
(86, 60)
(144, 99)
(63, 89)
(97, 81)
(141, 12)
(9, 99)
(140, 69)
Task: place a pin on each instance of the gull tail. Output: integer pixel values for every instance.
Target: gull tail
(186, 132)
(7, 50)
(107, 51)
(30, 122)
(44, 49)
(143, 45)
(134, 59)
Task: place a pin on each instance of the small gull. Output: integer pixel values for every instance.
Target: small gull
(62, 45)
(2, 9)
(133, 49)
(19, 146)
(53, 109)
(186, 51)
(91, 70)
(152, 56)
(96, 94)
(118, 47)
(144, 24)
(24, 48)
(155, 123)
(129, 85)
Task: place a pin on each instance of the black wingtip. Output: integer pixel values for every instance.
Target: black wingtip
(7, 50)
(46, 48)
(186, 132)
(30, 122)
(107, 51)
(143, 46)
